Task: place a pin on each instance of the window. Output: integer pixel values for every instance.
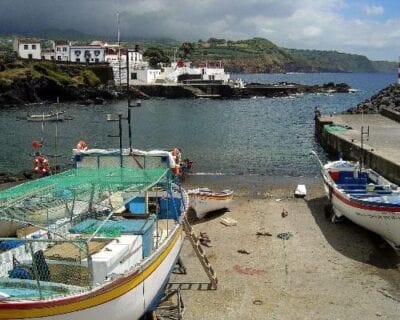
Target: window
(64, 49)
(25, 47)
(78, 60)
(96, 52)
(77, 52)
(133, 76)
(52, 57)
(30, 56)
(34, 47)
(58, 49)
(96, 60)
(59, 58)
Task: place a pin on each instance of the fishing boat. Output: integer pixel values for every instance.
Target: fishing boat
(96, 242)
(204, 200)
(364, 197)
(52, 116)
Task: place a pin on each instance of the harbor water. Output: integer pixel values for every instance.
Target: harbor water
(260, 137)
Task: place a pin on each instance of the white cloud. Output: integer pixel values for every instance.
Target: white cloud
(306, 24)
(374, 10)
(312, 31)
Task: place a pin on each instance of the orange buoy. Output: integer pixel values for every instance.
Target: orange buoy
(176, 154)
(176, 171)
(82, 145)
(36, 144)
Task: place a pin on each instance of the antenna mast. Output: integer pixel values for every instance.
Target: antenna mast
(119, 49)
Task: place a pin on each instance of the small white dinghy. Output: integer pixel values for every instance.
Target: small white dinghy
(301, 191)
(203, 200)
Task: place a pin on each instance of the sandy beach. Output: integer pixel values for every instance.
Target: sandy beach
(322, 271)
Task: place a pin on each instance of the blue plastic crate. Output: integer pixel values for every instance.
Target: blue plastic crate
(170, 208)
(137, 206)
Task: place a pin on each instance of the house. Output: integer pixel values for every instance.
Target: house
(86, 53)
(27, 48)
(61, 50)
(48, 54)
(184, 71)
(143, 76)
(138, 68)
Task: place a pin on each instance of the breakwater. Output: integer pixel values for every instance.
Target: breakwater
(386, 100)
(378, 115)
(379, 150)
(227, 91)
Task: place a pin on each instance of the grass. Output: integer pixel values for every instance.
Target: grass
(89, 78)
(49, 70)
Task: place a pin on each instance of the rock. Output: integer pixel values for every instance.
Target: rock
(385, 101)
(388, 97)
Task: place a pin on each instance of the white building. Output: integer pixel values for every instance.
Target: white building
(138, 68)
(86, 54)
(61, 50)
(48, 54)
(144, 76)
(207, 73)
(27, 48)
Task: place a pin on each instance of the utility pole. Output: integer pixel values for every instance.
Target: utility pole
(119, 49)
(363, 133)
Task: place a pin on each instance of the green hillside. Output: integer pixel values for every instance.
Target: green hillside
(261, 55)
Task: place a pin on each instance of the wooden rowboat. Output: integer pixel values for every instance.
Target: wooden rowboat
(203, 200)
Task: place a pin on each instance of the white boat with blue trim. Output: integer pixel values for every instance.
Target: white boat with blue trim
(107, 246)
(364, 197)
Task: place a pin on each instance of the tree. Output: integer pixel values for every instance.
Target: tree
(155, 56)
(214, 42)
(187, 48)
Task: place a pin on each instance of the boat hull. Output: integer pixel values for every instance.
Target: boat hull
(383, 220)
(126, 298)
(59, 116)
(203, 204)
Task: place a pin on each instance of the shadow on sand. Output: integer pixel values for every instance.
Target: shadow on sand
(193, 220)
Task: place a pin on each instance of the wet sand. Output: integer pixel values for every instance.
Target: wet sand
(323, 271)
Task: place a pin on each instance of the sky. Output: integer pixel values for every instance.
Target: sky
(367, 27)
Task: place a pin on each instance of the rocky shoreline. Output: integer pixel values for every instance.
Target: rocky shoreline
(387, 98)
(36, 90)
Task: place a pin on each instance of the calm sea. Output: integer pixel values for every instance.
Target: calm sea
(250, 137)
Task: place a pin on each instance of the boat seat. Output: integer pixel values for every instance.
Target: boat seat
(350, 186)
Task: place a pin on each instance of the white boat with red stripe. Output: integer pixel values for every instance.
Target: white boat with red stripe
(364, 197)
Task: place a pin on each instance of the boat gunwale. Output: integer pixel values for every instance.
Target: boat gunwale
(142, 272)
(359, 203)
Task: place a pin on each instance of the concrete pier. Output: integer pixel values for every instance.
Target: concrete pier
(210, 90)
(381, 150)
